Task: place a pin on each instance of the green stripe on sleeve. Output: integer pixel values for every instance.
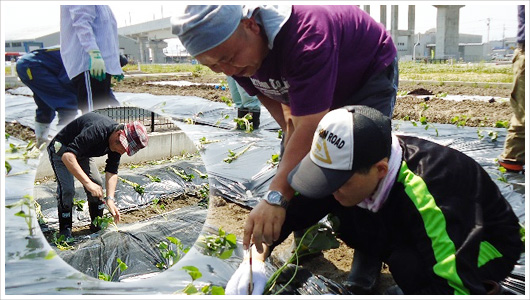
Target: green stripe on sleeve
(435, 226)
(486, 253)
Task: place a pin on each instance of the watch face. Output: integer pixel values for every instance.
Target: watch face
(275, 197)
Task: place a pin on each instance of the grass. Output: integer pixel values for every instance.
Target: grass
(477, 72)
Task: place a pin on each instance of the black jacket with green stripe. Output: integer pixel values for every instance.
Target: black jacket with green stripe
(444, 228)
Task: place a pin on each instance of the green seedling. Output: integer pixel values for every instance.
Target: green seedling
(233, 156)
(223, 117)
(318, 237)
(205, 141)
(502, 171)
(61, 243)
(182, 174)
(27, 203)
(402, 93)
(204, 194)
(502, 124)
(104, 222)
(7, 135)
(493, 135)
(423, 119)
(280, 133)
(159, 207)
(137, 187)
(171, 253)
(189, 121)
(132, 167)
(121, 266)
(201, 175)
(30, 151)
(275, 160)
(441, 95)
(459, 121)
(79, 204)
(244, 123)
(221, 245)
(8, 167)
(191, 289)
(227, 101)
(152, 178)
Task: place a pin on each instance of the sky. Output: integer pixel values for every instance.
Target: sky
(31, 19)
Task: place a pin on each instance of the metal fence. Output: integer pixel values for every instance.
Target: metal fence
(149, 119)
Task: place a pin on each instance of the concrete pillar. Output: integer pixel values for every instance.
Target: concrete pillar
(157, 51)
(366, 8)
(141, 48)
(447, 35)
(382, 14)
(411, 28)
(394, 17)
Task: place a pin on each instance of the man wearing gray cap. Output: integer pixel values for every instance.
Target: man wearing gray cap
(301, 62)
(438, 219)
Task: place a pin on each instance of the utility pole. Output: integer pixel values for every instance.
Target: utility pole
(503, 28)
(488, 24)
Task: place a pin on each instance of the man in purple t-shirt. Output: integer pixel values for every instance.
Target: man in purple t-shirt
(301, 62)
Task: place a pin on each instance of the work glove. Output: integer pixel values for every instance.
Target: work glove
(96, 65)
(118, 77)
(238, 283)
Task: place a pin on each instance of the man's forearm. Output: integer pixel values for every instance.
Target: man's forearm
(274, 108)
(111, 180)
(70, 161)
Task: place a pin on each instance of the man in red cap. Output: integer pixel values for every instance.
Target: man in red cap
(71, 155)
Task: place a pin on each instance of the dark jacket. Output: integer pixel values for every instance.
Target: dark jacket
(444, 228)
(88, 136)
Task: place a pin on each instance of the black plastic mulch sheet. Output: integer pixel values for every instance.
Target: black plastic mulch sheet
(136, 244)
(243, 181)
(127, 198)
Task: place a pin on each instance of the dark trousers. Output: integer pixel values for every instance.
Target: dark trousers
(66, 189)
(92, 93)
(379, 91)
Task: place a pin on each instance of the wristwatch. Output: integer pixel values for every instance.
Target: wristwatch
(276, 198)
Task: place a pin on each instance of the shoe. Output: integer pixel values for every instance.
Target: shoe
(492, 287)
(511, 166)
(394, 290)
(364, 274)
(67, 234)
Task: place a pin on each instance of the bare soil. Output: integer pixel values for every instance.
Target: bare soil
(333, 264)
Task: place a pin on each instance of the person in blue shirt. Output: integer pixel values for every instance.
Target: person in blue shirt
(42, 70)
(245, 103)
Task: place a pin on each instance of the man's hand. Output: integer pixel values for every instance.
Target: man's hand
(239, 282)
(113, 209)
(95, 189)
(96, 65)
(263, 224)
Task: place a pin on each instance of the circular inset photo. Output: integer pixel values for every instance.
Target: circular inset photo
(121, 193)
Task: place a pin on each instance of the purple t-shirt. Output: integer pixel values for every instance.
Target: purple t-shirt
(320, 57)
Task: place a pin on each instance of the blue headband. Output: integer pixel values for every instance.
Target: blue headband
(204, 27)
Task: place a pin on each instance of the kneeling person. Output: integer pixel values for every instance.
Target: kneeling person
(430, 212)
(71, 155)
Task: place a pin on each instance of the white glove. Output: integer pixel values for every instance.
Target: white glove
(238, 283)
(97, 65)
